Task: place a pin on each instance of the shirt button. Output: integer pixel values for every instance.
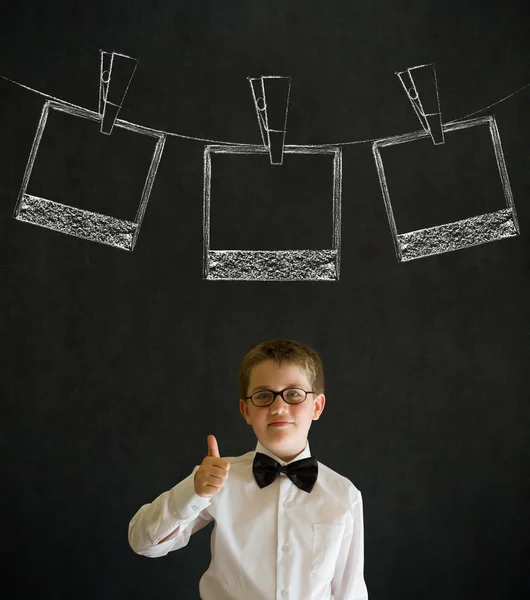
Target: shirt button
(284, 548)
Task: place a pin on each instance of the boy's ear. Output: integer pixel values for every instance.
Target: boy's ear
(320, 399)
(243, 407)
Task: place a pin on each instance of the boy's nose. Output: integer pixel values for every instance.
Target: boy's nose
(279, 395)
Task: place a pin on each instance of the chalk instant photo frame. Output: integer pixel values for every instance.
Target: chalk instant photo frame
(460, 234)
(273, 265)
(78, 222)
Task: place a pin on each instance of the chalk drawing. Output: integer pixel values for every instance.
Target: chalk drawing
(273, 265)
(234, 143)
(116, 72)
(118, 69)
(421, 87)
(271, 102)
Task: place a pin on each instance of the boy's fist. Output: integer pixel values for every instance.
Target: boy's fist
(212, 473)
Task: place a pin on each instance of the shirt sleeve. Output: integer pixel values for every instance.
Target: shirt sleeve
(348, 580)
(179, 511)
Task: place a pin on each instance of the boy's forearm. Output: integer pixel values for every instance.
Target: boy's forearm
(153, 529)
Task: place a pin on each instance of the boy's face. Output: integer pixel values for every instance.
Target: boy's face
(288, 441)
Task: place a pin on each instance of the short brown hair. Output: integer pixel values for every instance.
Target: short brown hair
(280, 351)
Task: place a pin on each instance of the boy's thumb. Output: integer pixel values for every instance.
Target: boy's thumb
(213, 448)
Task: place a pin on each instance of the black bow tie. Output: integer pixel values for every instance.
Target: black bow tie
(303, 472)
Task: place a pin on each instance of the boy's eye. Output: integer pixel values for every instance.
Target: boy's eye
(292, 393)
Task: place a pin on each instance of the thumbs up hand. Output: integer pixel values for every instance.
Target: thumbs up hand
(212, 473)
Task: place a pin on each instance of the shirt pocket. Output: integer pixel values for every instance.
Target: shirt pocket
(327, 539)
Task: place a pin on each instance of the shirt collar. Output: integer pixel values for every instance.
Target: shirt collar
(306, 453)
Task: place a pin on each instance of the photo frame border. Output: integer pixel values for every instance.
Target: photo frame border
(438, 239)
(121, 233)
(292, 264)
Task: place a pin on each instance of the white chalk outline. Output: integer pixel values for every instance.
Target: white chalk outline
(106, 68)
(431, 120)
(272, 265)
(264, 117)
(450, 236)
(89, 225)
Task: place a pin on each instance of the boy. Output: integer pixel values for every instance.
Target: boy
(279, 533)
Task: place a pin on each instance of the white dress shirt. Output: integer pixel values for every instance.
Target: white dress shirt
(271, 543)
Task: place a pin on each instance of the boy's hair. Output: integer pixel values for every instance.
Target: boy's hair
(281, 351)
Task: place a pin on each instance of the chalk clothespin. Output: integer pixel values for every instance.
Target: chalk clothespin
(421, 88)
(116, 73)
(271, 100)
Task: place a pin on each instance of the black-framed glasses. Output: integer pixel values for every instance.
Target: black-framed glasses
(267, 397)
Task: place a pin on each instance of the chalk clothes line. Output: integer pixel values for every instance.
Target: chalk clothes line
(271, 100)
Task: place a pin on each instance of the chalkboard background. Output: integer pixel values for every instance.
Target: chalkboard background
(115, 366)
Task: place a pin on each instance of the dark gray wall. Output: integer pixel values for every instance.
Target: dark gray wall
(115, 366)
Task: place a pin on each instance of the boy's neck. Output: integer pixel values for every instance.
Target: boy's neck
(286, 457)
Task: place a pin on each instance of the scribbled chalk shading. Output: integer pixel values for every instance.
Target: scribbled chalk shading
(273, 265)
(460, 234)
(77, 222)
